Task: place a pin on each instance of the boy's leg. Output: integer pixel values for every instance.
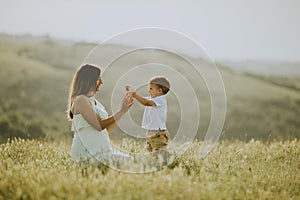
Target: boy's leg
(150, 136)
(156, 143)
(157, 140)
(162, 140)
(149, 146)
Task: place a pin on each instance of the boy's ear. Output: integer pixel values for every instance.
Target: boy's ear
(160, 90)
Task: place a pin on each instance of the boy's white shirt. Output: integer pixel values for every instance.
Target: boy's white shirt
(154, 117)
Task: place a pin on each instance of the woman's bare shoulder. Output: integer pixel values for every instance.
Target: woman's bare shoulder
(81, 103)
(81, 97)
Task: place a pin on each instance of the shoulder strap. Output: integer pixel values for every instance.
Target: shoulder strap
(92, 101)
(89, 99)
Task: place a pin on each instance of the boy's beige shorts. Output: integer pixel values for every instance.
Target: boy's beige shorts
(157, 139)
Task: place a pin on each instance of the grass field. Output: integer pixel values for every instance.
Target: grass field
(257, 156)
(34, 169)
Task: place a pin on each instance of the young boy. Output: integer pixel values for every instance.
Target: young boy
(154, 118)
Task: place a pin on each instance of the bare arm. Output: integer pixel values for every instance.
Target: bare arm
(138, 97)
(83, 107)
(111, 127)
(142, 100)
(108, 122)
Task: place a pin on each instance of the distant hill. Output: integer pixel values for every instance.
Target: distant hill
(29, 39)
(35, 78)
(284, 74)
(274, 69)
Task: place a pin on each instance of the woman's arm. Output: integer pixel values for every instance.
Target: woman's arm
(109, 122)
(83, 107)
(111, 127)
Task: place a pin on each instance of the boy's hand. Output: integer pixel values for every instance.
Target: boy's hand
(129, 90)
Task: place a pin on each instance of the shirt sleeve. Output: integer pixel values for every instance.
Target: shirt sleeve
(159, 101)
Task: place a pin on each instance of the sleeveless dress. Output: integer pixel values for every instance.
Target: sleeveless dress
(91, 144)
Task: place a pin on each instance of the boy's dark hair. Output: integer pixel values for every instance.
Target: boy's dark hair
(162, 83)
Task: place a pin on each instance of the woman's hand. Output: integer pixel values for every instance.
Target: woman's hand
(127, 102)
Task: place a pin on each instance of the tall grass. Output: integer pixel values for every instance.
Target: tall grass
(35, 169)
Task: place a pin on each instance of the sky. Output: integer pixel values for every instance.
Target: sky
(231, 30)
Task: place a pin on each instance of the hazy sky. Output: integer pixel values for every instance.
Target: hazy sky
(229, 30)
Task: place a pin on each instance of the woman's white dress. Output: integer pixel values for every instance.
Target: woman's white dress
(89, 143)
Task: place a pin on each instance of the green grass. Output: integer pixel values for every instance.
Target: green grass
(35, 169)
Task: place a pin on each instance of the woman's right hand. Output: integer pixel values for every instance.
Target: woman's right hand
(127, 102)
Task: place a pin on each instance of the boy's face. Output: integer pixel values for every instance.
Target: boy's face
(154, 90)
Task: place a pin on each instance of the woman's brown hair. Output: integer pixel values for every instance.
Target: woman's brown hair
(84, 80)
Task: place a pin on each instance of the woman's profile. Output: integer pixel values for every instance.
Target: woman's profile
(91, 123)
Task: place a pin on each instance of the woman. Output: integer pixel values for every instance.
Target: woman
(90, 121)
